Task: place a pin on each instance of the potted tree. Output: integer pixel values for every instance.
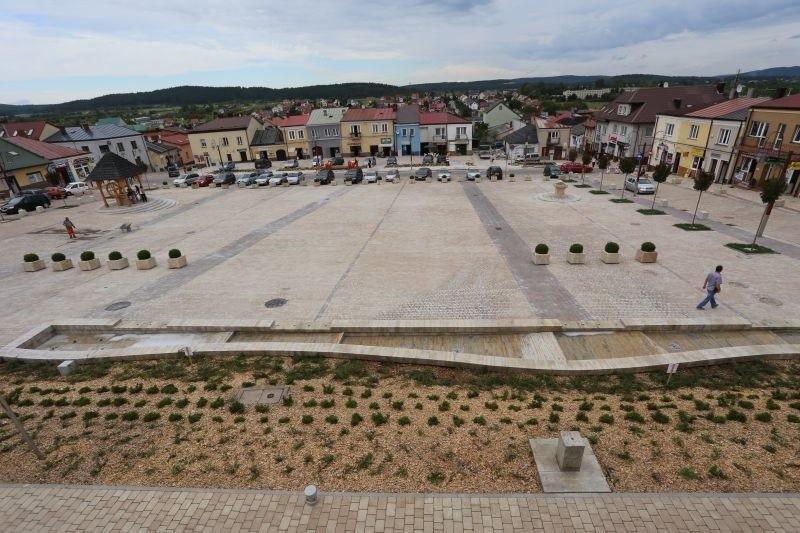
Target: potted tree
(144, 261)
(60, 262)
(576, 255)
(660, 175)
(116, 261)
(610, 254)
(541, 255)
(176, 259)
(602, 164)
(88, 261)
(32, 263)
(647, 253)
(626, 166)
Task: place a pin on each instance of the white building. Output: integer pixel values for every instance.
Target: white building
(99, 140)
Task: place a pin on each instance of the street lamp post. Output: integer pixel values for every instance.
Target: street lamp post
(411, 146)
(216, 145)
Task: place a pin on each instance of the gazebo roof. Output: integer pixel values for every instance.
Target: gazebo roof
(113, 167)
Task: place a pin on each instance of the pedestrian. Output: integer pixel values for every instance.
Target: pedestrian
(138, 193)
(70, 228)
(369, 162)
(143, 196)
(712, 286)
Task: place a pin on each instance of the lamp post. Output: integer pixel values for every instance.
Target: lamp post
(216, 145)
(411, 146)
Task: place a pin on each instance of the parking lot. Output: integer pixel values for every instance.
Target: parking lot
(390, 251)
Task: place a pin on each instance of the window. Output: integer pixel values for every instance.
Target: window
(724, 136)
(225, 141)
(301, 134)
(614, 129)
(694, 131)
(239, 141)
(461, 131)
(554, 136)
(669, 130)
(439, 132)
(623, 130)
(758, 129)
(779, 136)
(104, 149)
(355, 130)
(374, 128)
(696, 161)
(120, 147)
(203, 143)
(85, 148)
(35, 177)
(796, 136)
(624, 110)
(648, 131)
(384, 128)
(335, 131)
(405, 132)
(134, 146)
(291, 135)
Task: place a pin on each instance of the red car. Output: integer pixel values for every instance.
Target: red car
(576, 167)
(205, 180)
(55, 193)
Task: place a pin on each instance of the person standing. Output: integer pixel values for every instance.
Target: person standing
(712, 286)
(70, 228)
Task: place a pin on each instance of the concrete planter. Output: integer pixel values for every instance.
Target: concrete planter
(317, 183)
(576, 259)
(493, 178)
(333, 182)
(662, 202)
(91, 264)
(478, 180)
(780, 202)
(674, 180)
(195, 186)
(59, 266)
(145, 264)
(177, 262)
(541, 259)
(646, 257)
(118, 264)
(609, 258)
(512, 178)
(33, 266)
(428, 179)
(528, 178)
(225, 185)
(348, 182)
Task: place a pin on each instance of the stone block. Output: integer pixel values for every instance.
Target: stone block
(569, 451)
(702, 215)
(662, 202)
(67, 367)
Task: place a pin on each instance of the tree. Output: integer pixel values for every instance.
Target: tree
(771, 190)
(702, 182)
(586, 158)
(602, 164)
(572, 155)
(627, 166)
(660, 174)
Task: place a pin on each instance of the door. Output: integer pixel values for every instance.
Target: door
(676, 163)
(243, 155)
(281, 155)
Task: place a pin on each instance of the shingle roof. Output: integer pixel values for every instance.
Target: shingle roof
(90, 133)
(787, 102)
(357, 115)
(441, 118)
(648, 102)
(327, 115)
(32, 130)
(728, 106)
(527, 134)
(408, 114)
(267, 136)
(225, 124)
(291, 121)
(159, 148)
(45, 150)
(112, 167)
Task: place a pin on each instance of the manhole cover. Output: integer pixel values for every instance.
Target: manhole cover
(261, 395)
(116, 306)
(275, 302)
(738, 284)
(674, 347)
(770, 301)
(498, 228)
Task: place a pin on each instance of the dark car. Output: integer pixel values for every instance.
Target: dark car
(26, 202)
(355, 175)
(173, 171)
(324, 177)
(427, 159)
(441, 159)
(494, 171)
(391, 161)
(422, 173)
(229, 166)
(225, 178)
(336, 161)
(263, 163)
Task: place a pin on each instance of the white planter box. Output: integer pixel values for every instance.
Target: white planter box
(59, 266)
(177, 262)
(493, 178)
(512, 178)
(780, 202)
(92, 264)
(675, 180)
(118, 264)
(702, 215)
(541, 259)
(646, 257)
(662, 202)
(528, 178)
(609, 258)
(478, 179)
(33, 266)
(576, 259)
(146, 264)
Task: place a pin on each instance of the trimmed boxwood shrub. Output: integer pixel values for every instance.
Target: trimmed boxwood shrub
(541, 248)
(88, 255)
(143, 255)
(58, 256)
(648, 247)
(114, 256)
(174, 253)
(576, 248)
(611, 248)
(30, 258)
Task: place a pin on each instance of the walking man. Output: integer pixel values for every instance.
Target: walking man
(70, 228)
(712, 286)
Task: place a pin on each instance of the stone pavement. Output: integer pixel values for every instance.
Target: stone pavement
(26, 508)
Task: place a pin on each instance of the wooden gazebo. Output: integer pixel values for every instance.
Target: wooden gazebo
(111, 176)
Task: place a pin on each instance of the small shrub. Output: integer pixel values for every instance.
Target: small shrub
(736, 416)
(332, 419)
(356, 419)
(57, 257)
(717, 472)
(216, 404)
(659, 417)
(554, 418)
(174, 253)
(444, 406)
(606, 418)
(541, 248)
(367, 393)
(143, 255)
(202, 402)
(152, 390)
(403, 421)
(194, 417)
(474, 394)
(163, 402)
(327, 403)
(397, 405)
(492, 406)
(307, 419)
(581, 416)
(458, 421)
(745, 404)
(479, 420)
(130, 416)
(648, 246)
(433, 421)
(576, 248)
(114, 256)
(763, 417)
(351, 403)
(794, 419)
(586, 406)
(310, 403)
(611, 247)
(688, 472)
(236, 407)
(772, 405)
(88, 255)
(151, 417)
(435, 477)
(30, 258)
(174, 417)
(379, 419)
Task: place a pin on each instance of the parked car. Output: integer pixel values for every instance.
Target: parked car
(393, 176)
(225, 178)
(205, 180)
(335, 161)
(472, 174)
(56, 193)
(228, 167)
(441, 159)
(26, 202)
(485, 154)
(186, 179)
(391, 161)
(247, 179)
(264, 177)
(553, 171)
(263, 163)
(443, 175)
(292, 163)
(494, 171)
(639, 185)
(527, 159)
(427, 159)
(576, 167)
(76, 187)
(277, 179)
(324, 177)
(294, 178)
(173, 171)
(371, 176)
(422, 173)
(354, 175)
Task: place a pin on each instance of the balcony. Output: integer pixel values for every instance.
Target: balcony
(355, 134)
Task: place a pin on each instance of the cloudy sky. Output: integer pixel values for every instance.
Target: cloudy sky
(55, 51)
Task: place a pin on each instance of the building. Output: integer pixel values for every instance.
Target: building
(554, 137)
(38, 130)
(770, 144)
(324, 131)
(162, 155)
(703, 139)
(407, 130)
(626, 126)
(223, 139)
(99, 140)
(523, 142)
(445, 133)
(293, 129)
(179, 139)
(499, 114)
(368, 131)
(268, 143)
(66, 163)
(20, 169)
(585, 93)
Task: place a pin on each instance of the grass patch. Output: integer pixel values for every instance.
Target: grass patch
(651, 211)
(749, 248)
(692, 227)
(582, 186)
(621, 201)
(598, 191)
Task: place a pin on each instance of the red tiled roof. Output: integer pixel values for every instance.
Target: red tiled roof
(724, 108)
(21, 129)
(440, 118)
(225, 124)
(787, 102)
(291, 121)
(358, 115)
(46, 150)
(175, 138)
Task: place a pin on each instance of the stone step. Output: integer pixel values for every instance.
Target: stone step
(153, 205)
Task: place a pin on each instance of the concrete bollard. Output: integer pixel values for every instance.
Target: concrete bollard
(67, 367)
(310, 493)
(40, 209)
(662, 202)
(569, 451)
(702, 215)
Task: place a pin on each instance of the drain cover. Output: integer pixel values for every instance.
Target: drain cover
(275, 302)
(261, 395)
(770, 301)
(116, 306)
(674, 346)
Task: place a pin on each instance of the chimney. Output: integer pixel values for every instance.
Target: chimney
(780, 92)
(86, 128)
(721, 87)
(732, 94)
(750, 92)
(677, 102)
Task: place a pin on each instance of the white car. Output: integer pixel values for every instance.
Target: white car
(472, 174)
(640, 186)
(294, 178)
(277, 179)
(443, 175)
(186, 179)
(76, 187)
(393, 176)
(264, 178)
(371, 176)
(292, 163)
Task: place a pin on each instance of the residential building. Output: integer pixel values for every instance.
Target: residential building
(66, 163)
(20, 169)
(179, 139)
(223, 139)
(162, 155)
(524, 141)
(99, 140)
(554, 137)
(268, 143)
(324, 131)
(293, 129)
(368, 131)
(770, 144)
(585, 93)
(407, 130)
(499, 114)
(38, 130)
(445, 133)
(626, 126)
(703, 139)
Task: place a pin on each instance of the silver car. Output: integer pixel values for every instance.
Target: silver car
(443, 175)
(294, 178)
(393, 176)
(472, 174)
(371, 176)
(639, 185)
(263, 179)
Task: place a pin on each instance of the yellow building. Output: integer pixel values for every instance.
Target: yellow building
(223, 139)
(368, 131)
(293, 129)
(20, 169)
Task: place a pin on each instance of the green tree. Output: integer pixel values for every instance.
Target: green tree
(602, 164)
(702, 182)
(572, 155)
(660, 174)
(771, 190)
(586, 158)
(627, 166)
